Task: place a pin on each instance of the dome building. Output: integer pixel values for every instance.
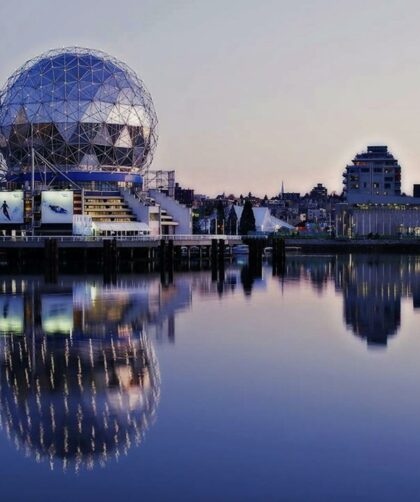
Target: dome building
(78, 131)
(80, 113)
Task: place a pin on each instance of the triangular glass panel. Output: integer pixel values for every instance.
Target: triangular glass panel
(124, 139)
(89, 161)
(107, 93)
(114, 131)
(103, 137)
(21, 117)
(118, 115)
(66, 130)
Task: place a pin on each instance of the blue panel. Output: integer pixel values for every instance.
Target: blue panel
(83, 176)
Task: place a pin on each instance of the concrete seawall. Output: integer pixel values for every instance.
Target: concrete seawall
(353, 246)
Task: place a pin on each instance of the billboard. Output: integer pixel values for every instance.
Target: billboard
(57, 207)
(11, 208)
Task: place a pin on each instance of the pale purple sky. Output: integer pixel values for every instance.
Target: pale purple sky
(250, 93)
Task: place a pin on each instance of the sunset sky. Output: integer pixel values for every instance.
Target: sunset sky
(250, 93)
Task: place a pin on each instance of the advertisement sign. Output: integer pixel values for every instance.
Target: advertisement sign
(57, 207)
(11, 208)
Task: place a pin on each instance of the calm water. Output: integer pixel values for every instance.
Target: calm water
(300, 387)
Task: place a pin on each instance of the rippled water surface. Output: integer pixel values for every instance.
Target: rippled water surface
(302, 386)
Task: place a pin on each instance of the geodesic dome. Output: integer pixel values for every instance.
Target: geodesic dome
(81, 110)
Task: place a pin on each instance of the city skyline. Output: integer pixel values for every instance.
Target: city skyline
(244, 101)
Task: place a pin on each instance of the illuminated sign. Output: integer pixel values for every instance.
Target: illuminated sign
(11, 208)
(57, 207)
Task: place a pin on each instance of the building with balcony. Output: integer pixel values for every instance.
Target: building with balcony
(373, 175)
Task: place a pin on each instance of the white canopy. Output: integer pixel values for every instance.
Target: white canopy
(121, 226)
(264, 220)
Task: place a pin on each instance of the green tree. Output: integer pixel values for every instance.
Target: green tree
(247, 221)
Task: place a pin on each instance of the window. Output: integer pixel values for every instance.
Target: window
(387, 185)
(365, 169)
(389, 178)
(377, 170)
(375, 185)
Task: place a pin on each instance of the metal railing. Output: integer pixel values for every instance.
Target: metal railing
(129, 238)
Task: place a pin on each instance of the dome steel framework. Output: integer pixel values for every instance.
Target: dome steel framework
(79, 110)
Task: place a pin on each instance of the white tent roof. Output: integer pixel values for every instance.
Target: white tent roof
(264, 220)
(121, 226)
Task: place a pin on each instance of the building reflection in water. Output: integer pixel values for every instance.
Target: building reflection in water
(372, 290)
(79, 377)
(372, 287)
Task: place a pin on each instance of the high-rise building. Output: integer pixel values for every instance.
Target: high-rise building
(373, 173)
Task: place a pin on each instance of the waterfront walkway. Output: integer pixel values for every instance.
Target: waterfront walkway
(207, 240)
(138, 241)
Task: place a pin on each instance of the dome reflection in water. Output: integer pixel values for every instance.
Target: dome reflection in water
(76, 398)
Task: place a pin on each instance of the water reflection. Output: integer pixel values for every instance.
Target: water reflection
(81, 401)
(79, 377)
(372, 287)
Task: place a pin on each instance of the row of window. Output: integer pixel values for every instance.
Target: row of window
(374, 185)
(377, 170)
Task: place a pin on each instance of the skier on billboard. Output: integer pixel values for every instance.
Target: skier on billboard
(5, 208)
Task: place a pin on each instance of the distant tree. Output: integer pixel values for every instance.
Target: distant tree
(247, 221)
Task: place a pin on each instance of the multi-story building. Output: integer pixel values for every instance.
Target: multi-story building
(374, 173)
(374, 203)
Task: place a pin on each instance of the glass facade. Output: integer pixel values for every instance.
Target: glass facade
(80, 110)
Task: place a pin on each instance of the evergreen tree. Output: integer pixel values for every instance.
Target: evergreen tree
(247, 221)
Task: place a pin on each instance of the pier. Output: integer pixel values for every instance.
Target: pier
(130, 254)
(163, 251)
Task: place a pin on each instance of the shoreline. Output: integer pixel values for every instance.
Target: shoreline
(402, 246)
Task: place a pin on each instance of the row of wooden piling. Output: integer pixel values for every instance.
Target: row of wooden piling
(163, 256)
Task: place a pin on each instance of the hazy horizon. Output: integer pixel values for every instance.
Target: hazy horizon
(250, 94)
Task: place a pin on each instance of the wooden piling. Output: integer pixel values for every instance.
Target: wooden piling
(51, 259)
(279, 255)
